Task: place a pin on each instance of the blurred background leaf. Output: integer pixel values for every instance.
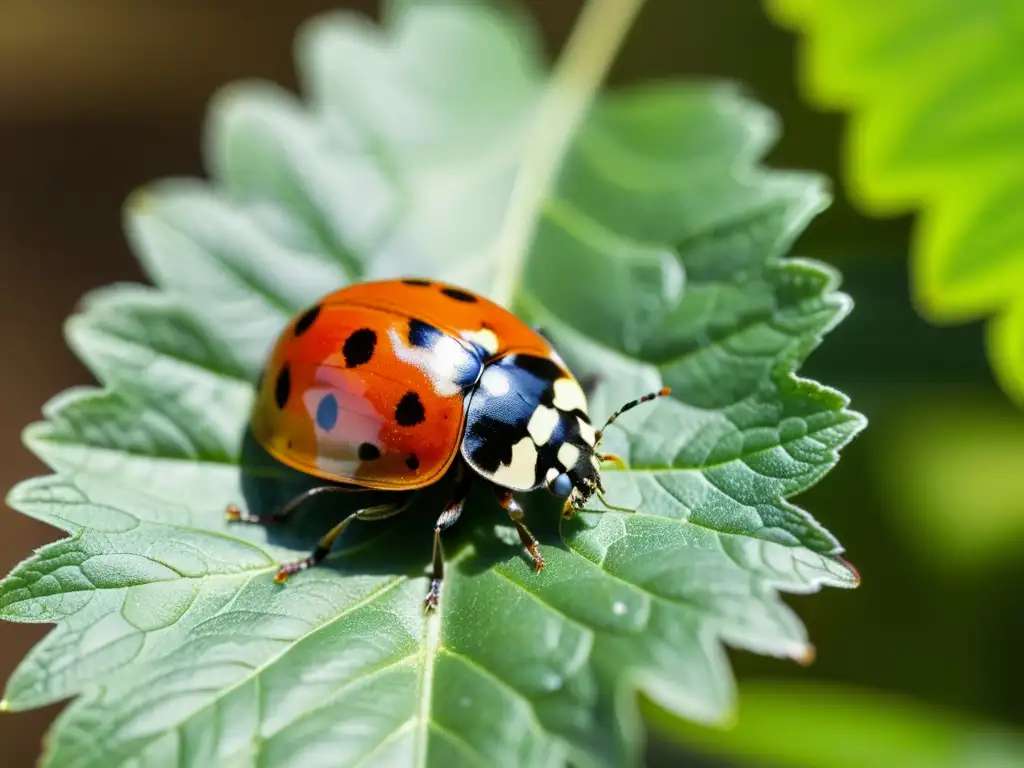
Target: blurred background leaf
(792, 725)
(956, 479)
(934, 88)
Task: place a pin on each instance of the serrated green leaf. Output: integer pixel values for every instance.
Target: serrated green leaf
(934, 91)
(656, 258)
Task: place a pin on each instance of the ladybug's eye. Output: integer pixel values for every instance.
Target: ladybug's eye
(561, 485)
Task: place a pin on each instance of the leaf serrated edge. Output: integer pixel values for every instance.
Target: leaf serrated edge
(86, 320)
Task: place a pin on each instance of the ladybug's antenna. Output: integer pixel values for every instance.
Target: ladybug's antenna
(628, 407)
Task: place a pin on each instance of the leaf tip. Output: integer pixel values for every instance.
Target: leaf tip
(854, 573)
(807, 656)
(138, 202)
(729, 720)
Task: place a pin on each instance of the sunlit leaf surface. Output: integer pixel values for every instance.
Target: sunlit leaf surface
(657, 260)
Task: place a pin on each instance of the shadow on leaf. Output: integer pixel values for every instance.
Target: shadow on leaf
(401, 545)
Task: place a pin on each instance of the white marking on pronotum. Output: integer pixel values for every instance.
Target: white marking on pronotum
(520, 473)
(551, 475)
(495, 381)
(587, 432)
(484, 337)
(542, 424)
(569, 396)
(568, 454)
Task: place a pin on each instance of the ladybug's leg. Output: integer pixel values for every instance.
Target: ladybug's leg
(235, 514)
(515, 511)
(323, 547)
(447, 519)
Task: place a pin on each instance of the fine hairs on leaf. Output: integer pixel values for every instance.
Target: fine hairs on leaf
(651, 247)
(933, 91)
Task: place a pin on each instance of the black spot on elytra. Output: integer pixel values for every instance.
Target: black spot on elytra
(308, 318)
(422, 335)
(368, 452)
(283, 386)
(459, 295)
(541, 367)
(418, 282)
(493, 440)
(412, 462)
(409, 411)
(358, 347)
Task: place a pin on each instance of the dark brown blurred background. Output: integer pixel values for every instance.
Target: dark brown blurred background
(100, 96)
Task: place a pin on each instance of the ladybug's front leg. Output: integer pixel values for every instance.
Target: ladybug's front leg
(515, 511)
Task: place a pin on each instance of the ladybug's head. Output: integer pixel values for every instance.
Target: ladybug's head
(583, 479)
(579, 482)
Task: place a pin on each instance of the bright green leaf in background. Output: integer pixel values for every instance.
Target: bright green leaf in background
(937, 102)
(823, 725)
(951, 465)
(654, 257)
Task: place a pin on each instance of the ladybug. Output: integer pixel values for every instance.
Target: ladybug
(385, 385)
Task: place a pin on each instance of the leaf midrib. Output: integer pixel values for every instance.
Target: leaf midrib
(564, 103)
(428, 653)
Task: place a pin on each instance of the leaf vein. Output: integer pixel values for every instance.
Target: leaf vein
(222, 693)
(460, 742)
(386, 741)
(544, 603)
(360, 678)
